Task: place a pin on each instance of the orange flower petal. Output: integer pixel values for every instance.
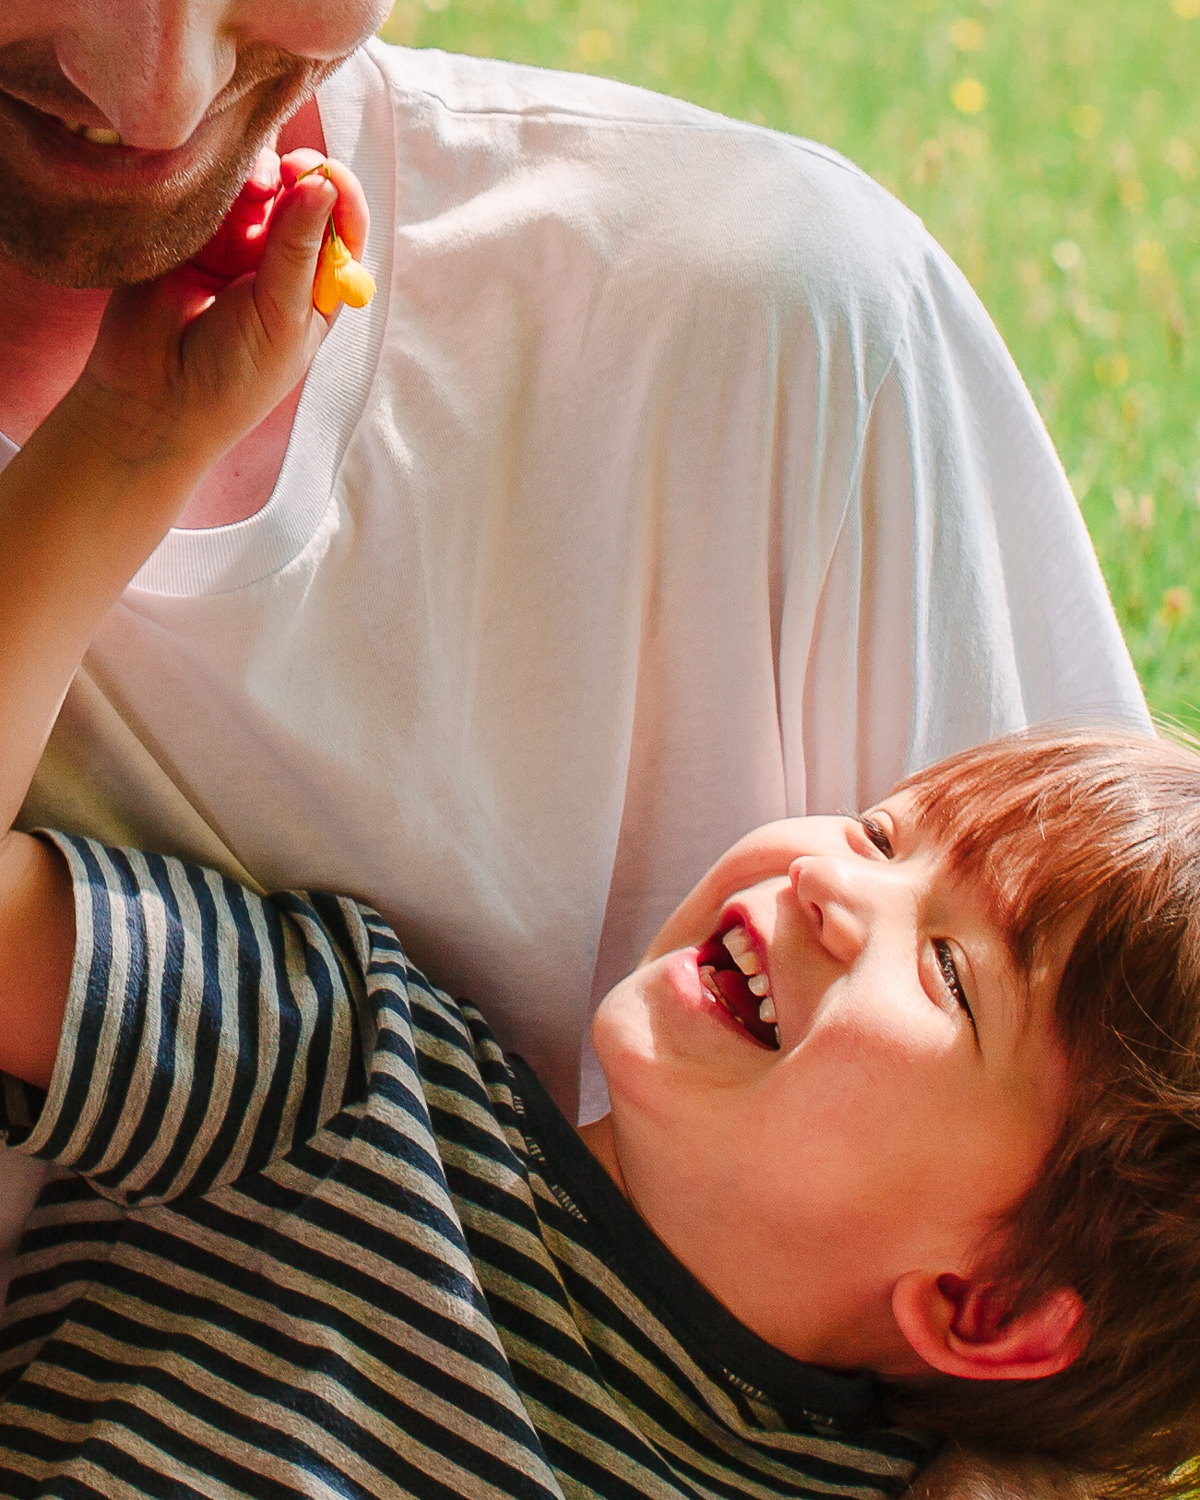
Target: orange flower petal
(325, 288)
(356, 285)
(340, 278)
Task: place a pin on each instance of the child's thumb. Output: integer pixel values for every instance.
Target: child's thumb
(283, 285)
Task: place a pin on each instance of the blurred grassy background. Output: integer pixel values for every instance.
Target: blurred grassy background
(1052, 146)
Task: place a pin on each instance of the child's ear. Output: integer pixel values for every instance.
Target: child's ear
(961, 1327)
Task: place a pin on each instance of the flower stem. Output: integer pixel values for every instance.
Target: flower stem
(323, 166)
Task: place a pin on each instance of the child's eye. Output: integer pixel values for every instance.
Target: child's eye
(875, 832)
(949, 970)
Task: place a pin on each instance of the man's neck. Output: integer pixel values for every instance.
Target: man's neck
(47, 333)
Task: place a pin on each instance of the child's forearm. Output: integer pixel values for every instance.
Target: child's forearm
(80, 510)
(176, 377)
(37, 945)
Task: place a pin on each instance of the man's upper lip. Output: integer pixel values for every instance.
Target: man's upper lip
(83, 113)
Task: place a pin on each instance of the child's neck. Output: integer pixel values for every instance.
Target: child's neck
(844, 1326)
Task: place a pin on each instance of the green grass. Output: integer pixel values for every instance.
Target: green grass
(1053, 147)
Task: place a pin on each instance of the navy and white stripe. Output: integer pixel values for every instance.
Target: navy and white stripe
(330, 1244)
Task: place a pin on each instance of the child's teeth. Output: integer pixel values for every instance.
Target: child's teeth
(766, 1011)
(739, 947)
(758, 984)
(737, 940)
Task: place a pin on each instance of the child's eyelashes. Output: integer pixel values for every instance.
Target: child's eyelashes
(949, 970)
(875, 831)
(943, 953)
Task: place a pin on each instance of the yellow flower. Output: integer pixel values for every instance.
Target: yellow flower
(1087, 122)
(967, 35)
(339, 277)
(595, 46)
(1112, 370)
(1150, 257)
(968, 96)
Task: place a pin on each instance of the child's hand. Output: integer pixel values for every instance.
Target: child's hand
(183, 367)
(238, 244)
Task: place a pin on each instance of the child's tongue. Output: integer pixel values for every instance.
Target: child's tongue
(737, 996)
(237, 246)
(713, 959)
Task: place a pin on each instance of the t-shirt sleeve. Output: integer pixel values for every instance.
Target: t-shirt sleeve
(207, 1030)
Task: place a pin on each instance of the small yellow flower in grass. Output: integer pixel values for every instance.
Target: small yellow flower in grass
(1178, 154)
(1139, 513)
(595, 46)
(967, 34)
(339, 277)
(968, 96)
(1149, 257)
(1176, 603)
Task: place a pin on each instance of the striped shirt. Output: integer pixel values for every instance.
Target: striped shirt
(322, 1238)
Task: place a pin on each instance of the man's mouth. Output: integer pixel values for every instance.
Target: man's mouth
(733, 974)
(48, 124)
(94, 133)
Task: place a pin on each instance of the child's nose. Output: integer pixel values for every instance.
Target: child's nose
(832, 896)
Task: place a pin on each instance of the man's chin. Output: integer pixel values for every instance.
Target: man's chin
(92, 247)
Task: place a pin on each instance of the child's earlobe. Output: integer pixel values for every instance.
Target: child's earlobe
(961, 1327)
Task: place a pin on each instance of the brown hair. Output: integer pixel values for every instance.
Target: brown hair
(1106, 827)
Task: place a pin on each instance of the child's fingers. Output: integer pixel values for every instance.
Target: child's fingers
(351, 215)
(284, 281)
(147, 317)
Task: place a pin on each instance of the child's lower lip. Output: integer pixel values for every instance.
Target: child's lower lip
(684, 972)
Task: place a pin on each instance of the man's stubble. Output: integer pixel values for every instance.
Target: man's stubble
(113, 240)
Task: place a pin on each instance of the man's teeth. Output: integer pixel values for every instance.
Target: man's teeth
(96, 133)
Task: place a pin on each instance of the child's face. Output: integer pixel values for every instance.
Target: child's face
(915, 1089)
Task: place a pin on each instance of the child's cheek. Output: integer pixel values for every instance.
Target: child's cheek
(237, 246)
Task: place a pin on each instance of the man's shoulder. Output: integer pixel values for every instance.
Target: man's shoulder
(672, 170)
(485, 86)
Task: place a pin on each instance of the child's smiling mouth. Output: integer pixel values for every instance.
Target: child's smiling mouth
(732, 973)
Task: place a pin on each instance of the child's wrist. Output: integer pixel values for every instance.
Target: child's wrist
(124, 434)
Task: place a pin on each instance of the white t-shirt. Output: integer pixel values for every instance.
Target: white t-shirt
(674, 481)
